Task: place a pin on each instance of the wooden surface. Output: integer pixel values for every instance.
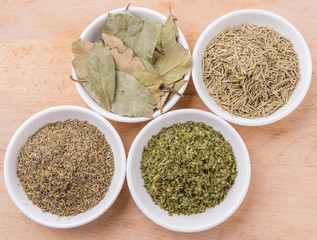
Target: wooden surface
(35, 64)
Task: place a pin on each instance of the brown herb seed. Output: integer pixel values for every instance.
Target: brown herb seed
(66, 167)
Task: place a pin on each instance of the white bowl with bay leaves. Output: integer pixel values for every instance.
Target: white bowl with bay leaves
(268, 20)
(138, 83)
(32, 125)
(212, 216)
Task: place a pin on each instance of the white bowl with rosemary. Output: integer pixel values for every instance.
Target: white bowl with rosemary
(137, 49)
(64, 166)
(188, 170)
(251, 67)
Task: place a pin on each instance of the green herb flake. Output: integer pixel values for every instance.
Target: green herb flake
(187, 168)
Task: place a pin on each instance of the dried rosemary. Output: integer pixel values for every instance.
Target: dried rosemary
(66, 168)
(250, 71)
(188, 168)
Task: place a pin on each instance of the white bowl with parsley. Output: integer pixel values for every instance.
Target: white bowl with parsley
(30, 127)
(287, 31)
(194, 222)
(92, 34)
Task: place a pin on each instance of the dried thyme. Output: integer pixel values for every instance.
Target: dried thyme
(188, 168)
(66, 168)
(250, 71)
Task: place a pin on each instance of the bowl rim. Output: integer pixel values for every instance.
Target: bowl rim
(16, 135)
(238, 119)
(135, 145)
(115, 117)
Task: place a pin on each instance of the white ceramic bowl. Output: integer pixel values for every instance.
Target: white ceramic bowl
(263, 18)
(28, 128)
(92, 33)
(213, 216)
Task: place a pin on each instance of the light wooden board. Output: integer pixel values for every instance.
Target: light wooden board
(35, 64)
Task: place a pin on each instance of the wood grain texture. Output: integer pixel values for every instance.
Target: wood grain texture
(35, 64)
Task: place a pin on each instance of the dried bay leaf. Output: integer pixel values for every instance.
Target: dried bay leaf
(173, 65)
(148, 78)
(80, 50)
(169, 34)
(159, 30)
(156, 56)
(156, 86)
(141, 37)
(152, 81)
(156, 92)
(132, 98)
(91, 92)
(141, 48)
(178, 47)
(124, 58)
(117, 25)
(148, 66)
(101, 74)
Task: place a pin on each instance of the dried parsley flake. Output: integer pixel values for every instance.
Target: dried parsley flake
(188, 168)
(66, 168)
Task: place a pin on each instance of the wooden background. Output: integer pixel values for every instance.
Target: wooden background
(35, 64)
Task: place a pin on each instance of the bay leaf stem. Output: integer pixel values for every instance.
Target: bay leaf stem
(170, 89)
(78, 80)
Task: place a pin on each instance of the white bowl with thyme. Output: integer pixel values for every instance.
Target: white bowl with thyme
(129, 102)
(64, 121)
(171, 187)
(255, 82)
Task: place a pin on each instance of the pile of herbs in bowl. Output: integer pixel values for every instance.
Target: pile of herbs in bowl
(134, 67)
(64, 166)
(188, 170)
